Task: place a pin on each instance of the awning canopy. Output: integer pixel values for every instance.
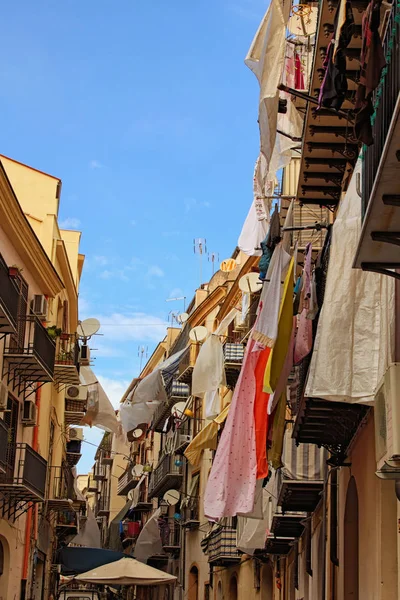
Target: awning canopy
(127, 571)
(79, 559)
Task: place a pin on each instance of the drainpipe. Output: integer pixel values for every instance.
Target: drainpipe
(324, 536)
(28, 524)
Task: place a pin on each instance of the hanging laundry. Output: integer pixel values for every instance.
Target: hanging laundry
(231, 484)
(261, 415)
(304, 336)
(266, 327)
(206, 438)
(255, 227)
(348, 368)
(372, 63)
(334, 86)
(285, 372)
(279, 351)
(268, 245)
(277, 434)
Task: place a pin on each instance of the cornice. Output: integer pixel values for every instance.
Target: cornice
(25, 241)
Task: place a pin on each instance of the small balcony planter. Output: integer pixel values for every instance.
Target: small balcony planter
(64, 337)
(13, 272)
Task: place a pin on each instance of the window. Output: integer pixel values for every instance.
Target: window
(198, 414)
(206, 591)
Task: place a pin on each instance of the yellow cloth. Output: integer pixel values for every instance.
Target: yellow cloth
(274, 454)
(206, 438)
(278, 354)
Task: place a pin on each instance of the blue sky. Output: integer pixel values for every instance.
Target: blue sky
(147, 113)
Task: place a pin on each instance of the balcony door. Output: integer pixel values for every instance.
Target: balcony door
(350, 537)
(18, 340)
(11, 421)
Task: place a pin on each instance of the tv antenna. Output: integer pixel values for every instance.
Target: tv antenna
(176, 299)
(213, 257)
(200, 248)
(142, 352)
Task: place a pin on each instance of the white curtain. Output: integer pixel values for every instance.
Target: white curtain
(354, 343)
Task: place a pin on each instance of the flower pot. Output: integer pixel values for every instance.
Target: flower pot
(13, 272)
(64, 337)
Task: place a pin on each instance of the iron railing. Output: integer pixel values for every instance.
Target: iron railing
(61, 483)
(222, 543)
(170, 531)
(99, 471)
(103, 505)
(9, 297)
(166, 468)
(25, 469)
(3, 446)
(67, 350)
(389, 92)
(37, 344)
(126, 482)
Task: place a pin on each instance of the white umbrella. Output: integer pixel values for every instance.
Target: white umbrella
(126, 571)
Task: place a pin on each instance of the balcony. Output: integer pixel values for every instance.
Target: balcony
(378, 248)
(30, 354)
(66, 366)
(127, 482)
(287, 526)
(103, 506)
(25, 476)
(143, 503)
(171, 536)
(92, 484)
(106, 457)
(331, 425)
(74, 411)
(62, 495)
(3, 447)
(192, 514)
(99, 471)
(66, 524)
(73, 452)
(9, 299)
(187, 363)
(222, 550)
(178, 392)
(233, 359)
(278, 546)
(167, 475)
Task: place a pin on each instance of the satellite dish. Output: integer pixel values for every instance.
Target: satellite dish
(88, 327)
(304, 21)
(228, 265)
(250, 283)
(130, 495)
(172, 497)
(137, 470)
(178, 410)
(198, 334)
(137, 433)
(182, 318)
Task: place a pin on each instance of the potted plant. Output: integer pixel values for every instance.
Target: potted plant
(14, 271)
(53, 331)
(64, 337)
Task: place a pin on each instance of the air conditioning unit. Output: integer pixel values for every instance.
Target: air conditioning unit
(3, 397)
(387, 424)
(76, 392)
(84, 355)
(28, 413)
(39, 306)
(75, 433)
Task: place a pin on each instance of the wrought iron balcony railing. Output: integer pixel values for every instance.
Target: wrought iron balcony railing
(9, 298)
(66, 367)
(30, 355)
(25, 476)
(187, 363)
(167, 475)
(170, 531)
(3, 446)
(178, 391)
(127, 482)
(103, 506)
(222, 548)
(385, 109)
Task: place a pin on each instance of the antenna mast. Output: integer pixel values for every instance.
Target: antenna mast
(213, 257)
(200, 248)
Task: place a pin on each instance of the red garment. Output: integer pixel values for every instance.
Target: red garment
(298, 73)
(261, 415)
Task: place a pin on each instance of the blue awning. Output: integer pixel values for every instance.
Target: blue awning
(79, 560)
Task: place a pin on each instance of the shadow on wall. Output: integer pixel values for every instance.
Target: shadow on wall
(4, 567)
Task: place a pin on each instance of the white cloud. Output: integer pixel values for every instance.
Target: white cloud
(155, 271)
(192, 203)
(84, 306)
(101, 260)
(70, 223)
(106, 274)
(114, 388)
(133, 223)
(95, 164)
(137, 326)
(173, 233)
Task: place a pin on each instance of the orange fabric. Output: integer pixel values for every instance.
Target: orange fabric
(261, 415)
